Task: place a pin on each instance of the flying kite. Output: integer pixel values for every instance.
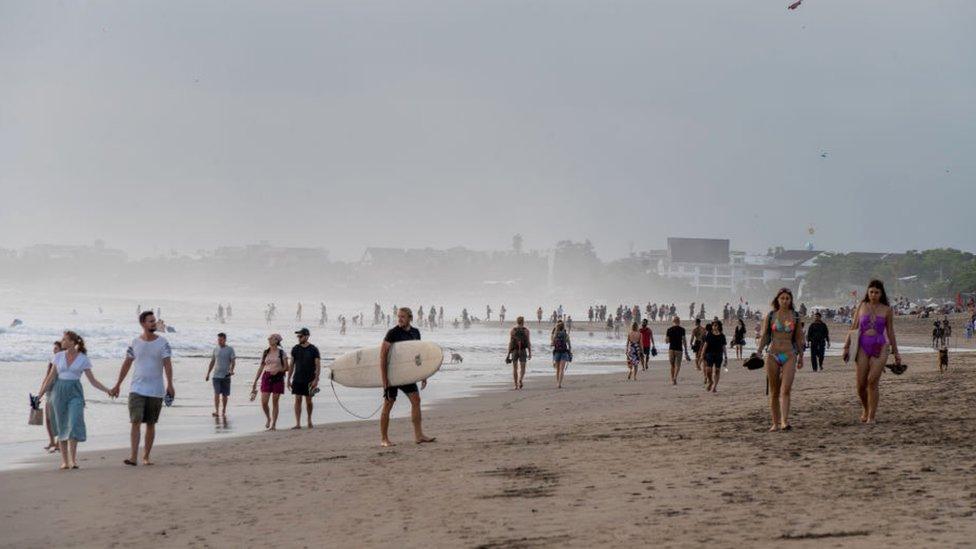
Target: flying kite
(794, 5)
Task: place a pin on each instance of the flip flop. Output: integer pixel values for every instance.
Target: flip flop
(130, 462)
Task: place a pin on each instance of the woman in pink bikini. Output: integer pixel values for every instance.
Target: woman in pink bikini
(873, 320)
(781, 333)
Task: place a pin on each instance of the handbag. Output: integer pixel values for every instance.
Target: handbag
(653, 351)
(36, 417)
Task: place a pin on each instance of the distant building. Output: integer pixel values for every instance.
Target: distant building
(703, 262)
(779, 265)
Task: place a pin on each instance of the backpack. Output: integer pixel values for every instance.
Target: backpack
(560, 342)
(520, 338)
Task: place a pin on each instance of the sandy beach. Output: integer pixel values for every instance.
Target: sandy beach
(602, 461)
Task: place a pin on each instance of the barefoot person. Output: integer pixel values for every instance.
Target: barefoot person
(697, 335)
(271, 372)
(403, 331)
(819, 338)
(562, 351)
(519, 350)
(647, 342)
(739, 338)
(634, 352)
(68, 398)
(303, 376)
(52, 442)
(714, 353)
(150, 354)
(677, 346)
(873, 320)
(781, 333)
(224, 358)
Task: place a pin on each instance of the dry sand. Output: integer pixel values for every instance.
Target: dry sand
(601, 462)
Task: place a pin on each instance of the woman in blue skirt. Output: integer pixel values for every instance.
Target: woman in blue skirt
(67, 398)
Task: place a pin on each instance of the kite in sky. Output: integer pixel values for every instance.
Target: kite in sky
(794, 5)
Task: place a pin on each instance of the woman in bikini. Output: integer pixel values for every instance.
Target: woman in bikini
(635, 354)
(782, 335)
(872, 320)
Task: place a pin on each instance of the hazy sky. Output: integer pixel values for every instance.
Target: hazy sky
(186, 125)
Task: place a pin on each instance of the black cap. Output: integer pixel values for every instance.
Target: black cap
(303, 332)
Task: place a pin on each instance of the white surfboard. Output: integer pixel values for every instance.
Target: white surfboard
(409, 362)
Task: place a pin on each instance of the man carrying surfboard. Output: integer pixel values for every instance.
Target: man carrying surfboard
(403, 331)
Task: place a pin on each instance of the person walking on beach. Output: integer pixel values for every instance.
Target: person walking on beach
(647, 343)
(271, 372)
(714, 352)
(819, 338)
(224, 359)
(697, 335)
(739, 337)
(677, 346)
(519, 350)
(634, 352)
(403, 331)
(68, 398)
(782, 335)
(303, 376)
(150, 354)
(873, 320)
(52, 443)
(562, 351)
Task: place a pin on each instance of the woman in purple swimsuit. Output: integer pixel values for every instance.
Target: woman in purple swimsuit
(873, 320)
(781, 332)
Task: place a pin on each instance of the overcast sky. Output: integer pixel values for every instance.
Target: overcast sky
(187, 125)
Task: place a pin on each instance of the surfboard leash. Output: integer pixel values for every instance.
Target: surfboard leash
(347, 410)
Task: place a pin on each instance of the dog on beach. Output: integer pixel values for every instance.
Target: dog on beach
(456, 358)
(943, 360)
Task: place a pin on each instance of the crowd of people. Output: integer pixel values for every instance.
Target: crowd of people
(781, 337)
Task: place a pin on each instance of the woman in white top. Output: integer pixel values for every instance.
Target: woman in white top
(68, 400)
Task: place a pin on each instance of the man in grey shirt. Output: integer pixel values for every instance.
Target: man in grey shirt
(224, 359)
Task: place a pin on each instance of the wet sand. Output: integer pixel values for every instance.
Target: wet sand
(602, 461)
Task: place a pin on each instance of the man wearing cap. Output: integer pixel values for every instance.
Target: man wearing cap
(303, 376)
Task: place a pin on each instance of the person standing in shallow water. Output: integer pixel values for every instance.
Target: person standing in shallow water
(873, 320)
(781, 333)
(403, 331)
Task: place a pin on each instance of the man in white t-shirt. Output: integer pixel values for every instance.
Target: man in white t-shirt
(151, 355)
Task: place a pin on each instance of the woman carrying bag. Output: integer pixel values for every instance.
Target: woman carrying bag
(68, 402)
